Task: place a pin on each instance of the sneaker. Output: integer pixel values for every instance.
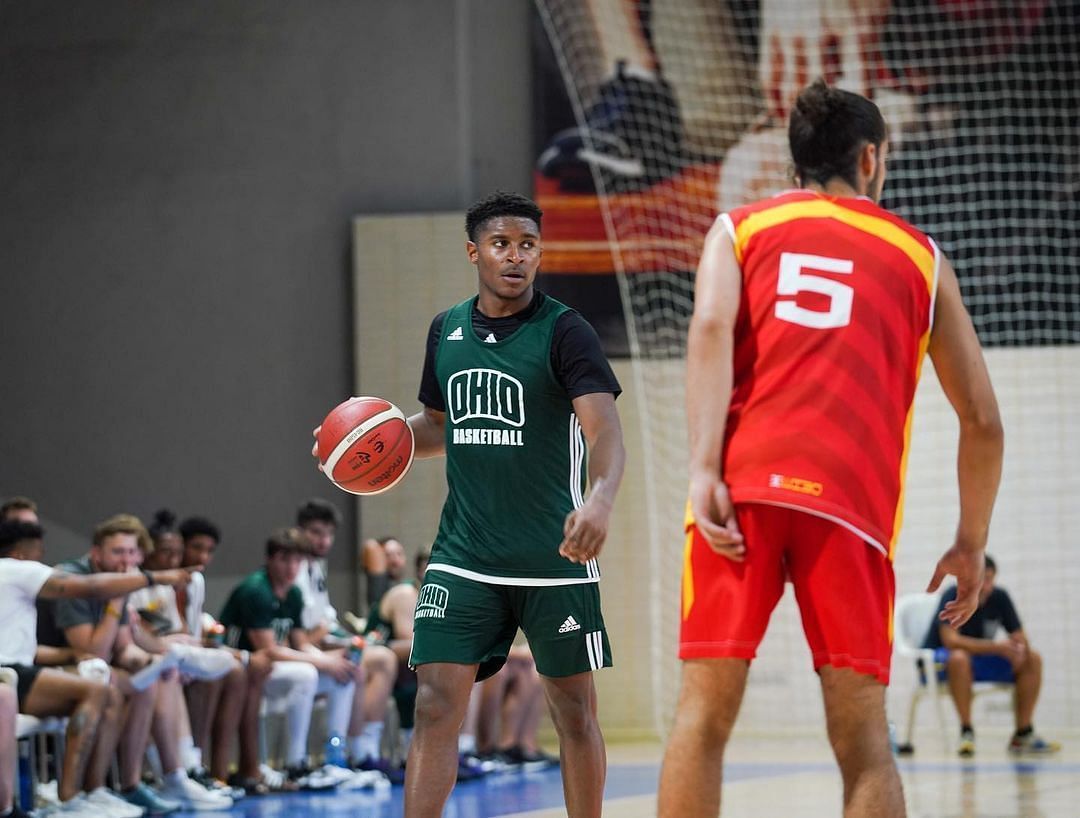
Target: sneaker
(365, 780)
(1032, 744)
(112, 804)
(193, 795)
(154, 804)
(306, 778)
(203, 777)
(392, 773)
(204, 664)
(532, 760)
(77, 807)
(966, 747)
(468, 768)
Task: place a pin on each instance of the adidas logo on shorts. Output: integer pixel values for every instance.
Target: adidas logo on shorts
(456, 335)
(569, 625)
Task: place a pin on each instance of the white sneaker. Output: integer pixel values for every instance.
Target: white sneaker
(149, 674)
(112, 804)
(366, 780)
(205, 664)
(77, 807)
(45, 794)
(193, 795)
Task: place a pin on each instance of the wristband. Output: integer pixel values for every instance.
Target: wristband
(111, 610)
(149, 577)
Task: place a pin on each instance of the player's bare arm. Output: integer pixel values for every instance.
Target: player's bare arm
(709, 382)
(958, 360)
(586, 527)
(63, 585)
(429, 432)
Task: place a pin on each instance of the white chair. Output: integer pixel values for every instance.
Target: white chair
(914, 614)
(30, 733)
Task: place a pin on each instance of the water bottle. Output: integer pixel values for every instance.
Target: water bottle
(335, 751)
(356, 650)
(26, 777)
(893, 743)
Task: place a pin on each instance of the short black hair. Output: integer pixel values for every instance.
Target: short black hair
(284, 539)
(827, 130)
(13, 532)
(194, 526)
(318, 510)
(990, 564)
(500, 203)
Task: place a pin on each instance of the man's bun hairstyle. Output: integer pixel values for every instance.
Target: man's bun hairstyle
(827, 130)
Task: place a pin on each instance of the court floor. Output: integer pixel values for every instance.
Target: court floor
(765, 777)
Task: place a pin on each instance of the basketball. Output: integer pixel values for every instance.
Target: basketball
(365, 445)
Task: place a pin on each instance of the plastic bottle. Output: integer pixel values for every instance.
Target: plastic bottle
(26, 777)
(335, 751)
(356, 650)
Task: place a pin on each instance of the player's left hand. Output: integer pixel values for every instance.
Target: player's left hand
(315, 446)
(585, 531)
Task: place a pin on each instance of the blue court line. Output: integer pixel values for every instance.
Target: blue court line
(501, 794)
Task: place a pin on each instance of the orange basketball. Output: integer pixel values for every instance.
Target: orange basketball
(365, 445)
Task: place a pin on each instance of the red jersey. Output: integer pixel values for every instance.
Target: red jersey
(834, 321)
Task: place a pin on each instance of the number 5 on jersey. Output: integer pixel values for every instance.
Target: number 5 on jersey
(796, 277)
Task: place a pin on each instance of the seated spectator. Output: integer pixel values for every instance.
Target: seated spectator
(975, 654)
(93, 708)
(263, 613)
(101, 629)
(9, 708)
(318, 522)
(218, 690)
(19, 508)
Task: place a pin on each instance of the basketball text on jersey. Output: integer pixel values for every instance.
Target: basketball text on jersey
(431, 603)
(491, 395)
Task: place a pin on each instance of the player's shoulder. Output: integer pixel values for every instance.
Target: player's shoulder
(739, 214)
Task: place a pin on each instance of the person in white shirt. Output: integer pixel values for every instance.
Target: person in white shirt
(93, 708)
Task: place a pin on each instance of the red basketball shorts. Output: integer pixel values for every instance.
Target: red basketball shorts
(844, 587)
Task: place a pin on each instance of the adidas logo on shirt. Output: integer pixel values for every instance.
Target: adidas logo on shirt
(569, 625)
(456, 335)
(490, 339)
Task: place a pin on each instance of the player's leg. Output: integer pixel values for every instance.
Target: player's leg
(1028, 683)
(380, 667)
(960, 678)
(845, 589)
(565, 628)
(55, 693)
(9, 707)
(725, 609)
(462, 632)
(572, 702)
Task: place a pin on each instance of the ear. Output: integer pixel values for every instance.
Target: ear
(472, 251)
(868, 160)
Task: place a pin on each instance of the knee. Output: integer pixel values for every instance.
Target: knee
(434, 706)
(379, 659)
(574, 716)
(958, 662)
(1034, 661)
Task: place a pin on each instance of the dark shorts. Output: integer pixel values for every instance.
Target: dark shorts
(984, 667)
(27, 676)
(462, 621)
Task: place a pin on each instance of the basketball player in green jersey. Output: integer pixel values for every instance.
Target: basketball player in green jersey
(515, 391)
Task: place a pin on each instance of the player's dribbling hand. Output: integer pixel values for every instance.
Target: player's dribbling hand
(315, 447)
(714, 516)
(966, 564)
(584, 531)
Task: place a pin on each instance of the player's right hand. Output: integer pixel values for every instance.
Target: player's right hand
(176, 577)
(315, 446)
(338, 666)
(967, 565)
(714, 516)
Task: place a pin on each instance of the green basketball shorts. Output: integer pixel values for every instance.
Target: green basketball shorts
(466, 622)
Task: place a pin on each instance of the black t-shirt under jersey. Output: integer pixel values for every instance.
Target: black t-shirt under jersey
(577, 358)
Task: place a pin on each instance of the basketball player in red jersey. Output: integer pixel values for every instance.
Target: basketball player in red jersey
(812, 313)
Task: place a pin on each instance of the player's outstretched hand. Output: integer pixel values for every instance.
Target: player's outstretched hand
(584, 531)
(315, 447)
(175, 577)
(714, 515)
(966, 564)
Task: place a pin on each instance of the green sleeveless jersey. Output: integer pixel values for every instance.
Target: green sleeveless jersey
(515, 455)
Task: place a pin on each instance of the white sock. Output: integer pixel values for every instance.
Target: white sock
(366, 745)
(190, 755)
(466, 744)
(177, 777)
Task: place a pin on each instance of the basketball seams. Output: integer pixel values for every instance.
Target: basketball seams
(369, 425)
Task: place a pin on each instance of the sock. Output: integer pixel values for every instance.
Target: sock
(466, 744)
(967, 728)
(1025, 731)
(177, 777)
(7, 812)
(366, 745)
(190, 755)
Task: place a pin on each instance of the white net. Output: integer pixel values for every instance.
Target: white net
(681, 109)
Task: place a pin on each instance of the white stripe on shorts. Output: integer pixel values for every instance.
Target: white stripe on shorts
(595, 644)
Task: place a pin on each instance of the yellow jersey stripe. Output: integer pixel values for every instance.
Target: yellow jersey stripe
(921, 257)
(898, 518)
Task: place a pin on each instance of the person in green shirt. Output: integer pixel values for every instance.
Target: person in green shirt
(516, 392)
